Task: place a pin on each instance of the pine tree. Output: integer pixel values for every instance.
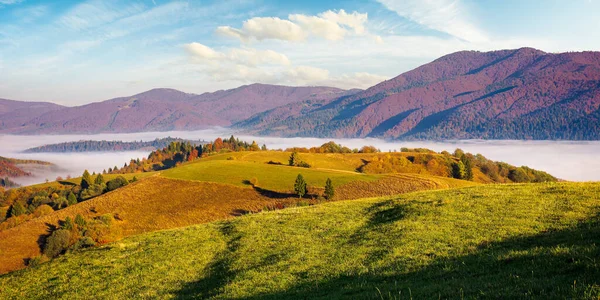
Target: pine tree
(71, 199)
(300, 186)
(293, 159)
(99, 179)
(86, 180)
(329, 190)
(264, 147)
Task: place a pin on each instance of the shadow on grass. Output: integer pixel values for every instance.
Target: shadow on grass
(554, 264)
(220, 271)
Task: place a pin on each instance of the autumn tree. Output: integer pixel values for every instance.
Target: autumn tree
(329, 190)
(86, 180)
(300, 186)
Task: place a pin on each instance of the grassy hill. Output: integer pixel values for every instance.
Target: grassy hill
(495, 241)
(208, 190)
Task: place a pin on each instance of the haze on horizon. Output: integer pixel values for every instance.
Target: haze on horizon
(74, 53)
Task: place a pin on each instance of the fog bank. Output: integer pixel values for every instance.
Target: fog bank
(575, 161)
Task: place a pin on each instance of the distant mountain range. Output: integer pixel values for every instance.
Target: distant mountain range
(508, 94)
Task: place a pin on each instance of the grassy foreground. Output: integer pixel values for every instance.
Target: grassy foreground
(508, 241)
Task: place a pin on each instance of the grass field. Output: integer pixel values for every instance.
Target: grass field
(502, 241)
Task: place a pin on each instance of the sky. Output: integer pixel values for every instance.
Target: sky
(77, 52)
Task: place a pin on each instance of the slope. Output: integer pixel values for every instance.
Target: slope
(503, 241)
(14, 114)
(508, 94)
(204, 191)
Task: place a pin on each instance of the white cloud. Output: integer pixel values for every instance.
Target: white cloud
(354, 20)
(264, 29)
(329, 25)
(306, 75)
(94, 13)
(320, 27)
(242, 56)
(447, 16)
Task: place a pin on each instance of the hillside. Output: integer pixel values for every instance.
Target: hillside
(208, 189)
(502, 241)
(168, 109)
(509, 94)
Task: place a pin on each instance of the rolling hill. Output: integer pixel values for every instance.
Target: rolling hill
(209, 189)
(509, 94)
(166, 109)
(492, 241)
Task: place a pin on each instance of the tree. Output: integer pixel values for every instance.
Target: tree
(294, 159)
(17, 209)
(67, 224)
(329, 190)
(71, 199)
(57, 243)
(86, 180)
(300, 186)
(99, 179)
(264, 147)
(80, 221)
(468, 169)
(458, 170)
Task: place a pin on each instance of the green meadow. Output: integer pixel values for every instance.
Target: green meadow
(496, 241)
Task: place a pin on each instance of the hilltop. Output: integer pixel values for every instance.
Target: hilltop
(503, 241)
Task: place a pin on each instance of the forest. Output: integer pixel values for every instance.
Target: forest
(97, 146)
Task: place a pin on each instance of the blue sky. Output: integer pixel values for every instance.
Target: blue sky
(76, 52)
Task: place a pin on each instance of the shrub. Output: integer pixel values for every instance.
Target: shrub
(93, 191)
(116, 183)
(84, 242)
(293, 159)
(57, 243)
(303, 164)
(458, 170)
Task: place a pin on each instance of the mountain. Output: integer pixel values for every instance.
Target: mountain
(168, 109)
(15, 113)
(509, 94)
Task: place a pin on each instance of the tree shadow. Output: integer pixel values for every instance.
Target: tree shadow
(553, 264)
(275, 194)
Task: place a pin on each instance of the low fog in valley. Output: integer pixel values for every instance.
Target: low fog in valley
(575, 161)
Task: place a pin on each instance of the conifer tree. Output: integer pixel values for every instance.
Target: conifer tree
(329, 190)
(71, 199)
(293, 159)
(300, 186)
(99, 179)
(86, 180)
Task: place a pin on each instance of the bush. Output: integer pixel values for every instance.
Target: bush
(303, 164)
(57, 243)
(92, 191)
(329, 190)
(116, 183)
(84, 242)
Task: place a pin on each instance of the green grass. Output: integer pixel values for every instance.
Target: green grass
(504, 241)
(271, 177)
